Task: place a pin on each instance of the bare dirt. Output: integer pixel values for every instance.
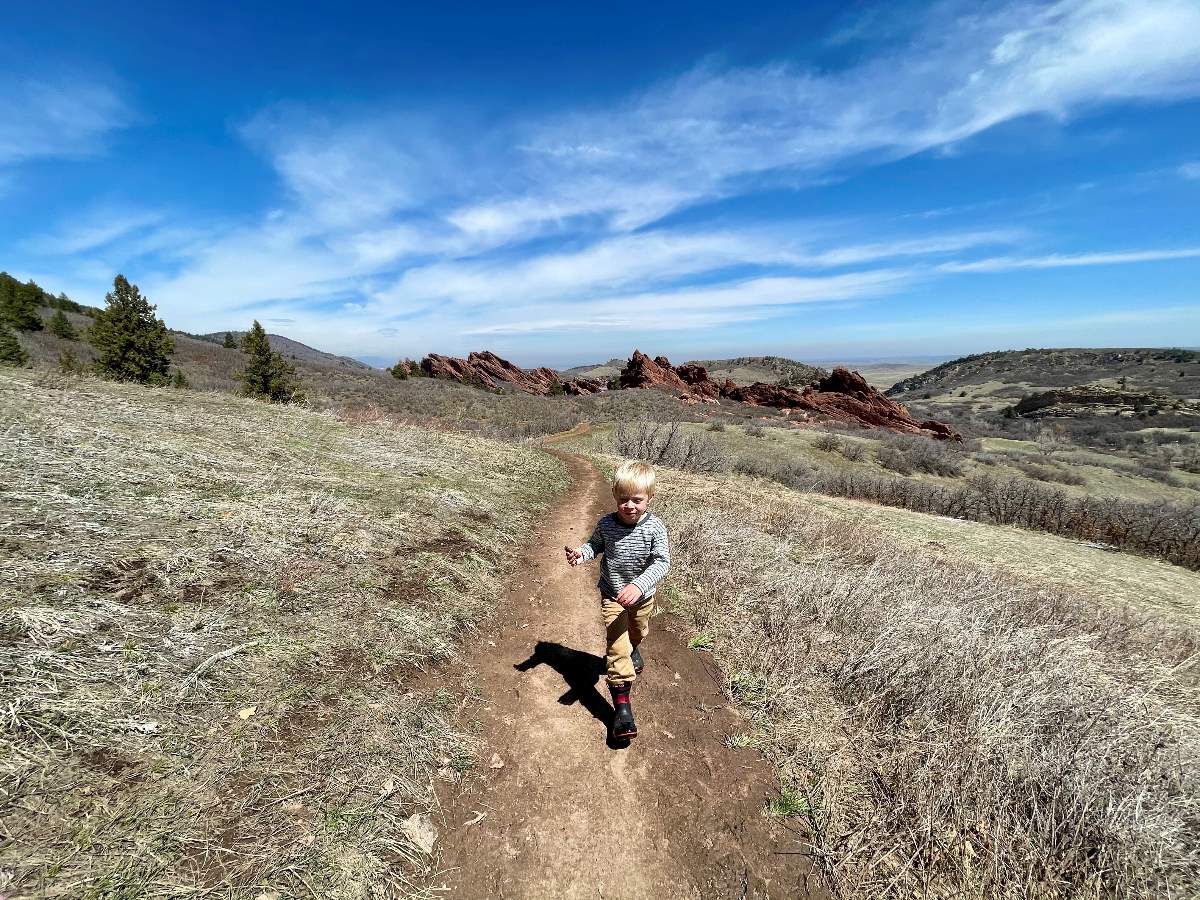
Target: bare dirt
(559, 810)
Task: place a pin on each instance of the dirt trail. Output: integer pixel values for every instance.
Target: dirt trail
(676, 814)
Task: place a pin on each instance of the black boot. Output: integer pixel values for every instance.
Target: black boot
(623, 727)
(638, 665)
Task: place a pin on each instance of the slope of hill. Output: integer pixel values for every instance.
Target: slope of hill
(1008, 373)
(297, 352)
(603, 371)
(746, 370)
(212, 615)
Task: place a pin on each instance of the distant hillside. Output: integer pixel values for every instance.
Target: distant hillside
(295, 350)
(597, 370)
(210, 367)
(744, 370)
(1000, 374)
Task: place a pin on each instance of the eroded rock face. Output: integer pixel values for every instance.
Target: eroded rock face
(689, 382)
(494, 373)
(1090, 400)
(577, 386)
(842, 396)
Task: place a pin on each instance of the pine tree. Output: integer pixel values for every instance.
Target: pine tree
(180, 380)
(133, 345)
(19, 303)
(229, 343)
(60, 326)
(11, 353)
(267, 374)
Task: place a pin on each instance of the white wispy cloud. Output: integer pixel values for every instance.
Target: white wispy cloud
(1059, 261)
(1190, 170)
(541, 223)
(97, 228)
(57, 117)
(703, 306)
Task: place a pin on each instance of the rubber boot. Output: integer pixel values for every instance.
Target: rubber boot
(623, 728)
(638, 665)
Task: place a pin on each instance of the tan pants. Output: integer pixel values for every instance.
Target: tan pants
(624, 629)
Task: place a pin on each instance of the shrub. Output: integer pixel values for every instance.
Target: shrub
(906, 453)
(755, 431)
(852, 450)
(829, 443)
(68, 363)
(716, 425)
(670, 445)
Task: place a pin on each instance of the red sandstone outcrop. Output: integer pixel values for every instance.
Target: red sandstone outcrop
(577, 386)
(688, 382)
(842, 396)
(487, 370)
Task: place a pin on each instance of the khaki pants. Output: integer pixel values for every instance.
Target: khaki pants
(624, 629)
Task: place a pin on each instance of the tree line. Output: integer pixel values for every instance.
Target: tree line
(131, 343)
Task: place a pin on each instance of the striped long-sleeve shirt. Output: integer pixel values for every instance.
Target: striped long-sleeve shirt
(633, 554)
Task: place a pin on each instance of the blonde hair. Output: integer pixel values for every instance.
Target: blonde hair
(634, 478)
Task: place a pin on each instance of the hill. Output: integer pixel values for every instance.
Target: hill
(746, 370)
(296, 351)
(997, 378)
(603, 371)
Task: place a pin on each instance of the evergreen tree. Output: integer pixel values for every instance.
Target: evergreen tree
(133, 345)
(267, 374)
(229, 343)
(11, 353)
(60, 326)
(180, 380)
(19, 303)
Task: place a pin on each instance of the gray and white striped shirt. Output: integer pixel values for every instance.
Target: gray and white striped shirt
(633, 554)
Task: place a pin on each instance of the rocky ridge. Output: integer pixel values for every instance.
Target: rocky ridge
(842, 396)
(1098, 400)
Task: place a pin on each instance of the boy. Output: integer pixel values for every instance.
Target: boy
(634, 545)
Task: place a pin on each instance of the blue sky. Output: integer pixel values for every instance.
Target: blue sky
(562, 184)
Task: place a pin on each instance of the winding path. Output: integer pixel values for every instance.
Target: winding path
(676, 814)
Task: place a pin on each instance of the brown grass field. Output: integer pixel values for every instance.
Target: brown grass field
(945, 726)
(213, 618)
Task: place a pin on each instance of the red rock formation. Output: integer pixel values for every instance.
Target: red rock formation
(494, 373)
(690, 381)
(577, 386)
(490, 371)
(843, 396)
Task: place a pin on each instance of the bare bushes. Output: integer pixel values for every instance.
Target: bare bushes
(1168, 530)
(670, 445)
(947, 730)
(827, 443)
(905, 454)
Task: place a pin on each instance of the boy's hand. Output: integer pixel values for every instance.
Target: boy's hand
(629, 595)
(574, 558)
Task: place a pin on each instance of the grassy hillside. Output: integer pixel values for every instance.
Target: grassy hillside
(211, 615)
(950, 713)
(992, 380)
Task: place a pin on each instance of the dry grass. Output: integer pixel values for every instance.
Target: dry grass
(213, 616)
(944, 728)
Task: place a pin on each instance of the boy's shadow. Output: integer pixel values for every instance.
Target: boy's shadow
(582, 672)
